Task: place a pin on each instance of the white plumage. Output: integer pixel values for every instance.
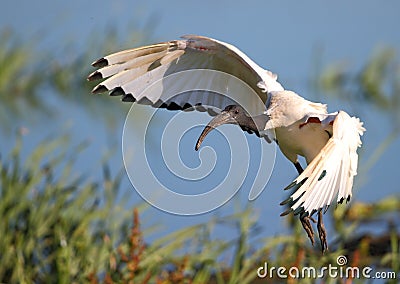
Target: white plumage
(328, 141)
(130, 72)
(332, 171)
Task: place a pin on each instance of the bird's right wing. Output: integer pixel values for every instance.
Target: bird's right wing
(130, 72)
(332, 171)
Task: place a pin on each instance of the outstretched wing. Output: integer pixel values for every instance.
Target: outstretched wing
(130, 72)
(331, 172)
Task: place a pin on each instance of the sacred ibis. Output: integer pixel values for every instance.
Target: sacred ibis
(327, 141)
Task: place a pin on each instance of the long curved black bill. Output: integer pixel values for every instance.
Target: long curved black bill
(223, 118)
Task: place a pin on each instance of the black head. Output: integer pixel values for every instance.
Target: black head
(232, 114)
(236, 112)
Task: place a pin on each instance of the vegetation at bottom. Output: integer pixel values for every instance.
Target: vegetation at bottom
(60, 226)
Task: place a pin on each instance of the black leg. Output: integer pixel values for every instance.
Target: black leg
(322, 231)
(304, 217)
(305, 222)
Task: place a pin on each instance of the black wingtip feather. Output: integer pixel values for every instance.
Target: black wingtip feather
(298, 211)
(323, 174)
(99, 89)
(158, 104)
(286, 212)
(286, 201)
(174, 106)
(100, 62)
(290, 199)
(128, 98)
(293, 183)
(200, 107)
(118, 91)
(145, 101)
(187, 107)
(96, 75)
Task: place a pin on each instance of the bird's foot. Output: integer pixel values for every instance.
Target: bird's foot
(305, 222)
(322, 232)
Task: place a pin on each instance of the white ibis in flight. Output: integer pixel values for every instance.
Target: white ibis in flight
(327, 141)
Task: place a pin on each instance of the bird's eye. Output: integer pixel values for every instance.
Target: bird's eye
(236, 112)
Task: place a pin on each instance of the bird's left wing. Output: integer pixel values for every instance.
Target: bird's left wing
(331, 172)
(130, 72)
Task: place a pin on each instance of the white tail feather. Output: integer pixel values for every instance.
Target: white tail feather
(332, 171)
